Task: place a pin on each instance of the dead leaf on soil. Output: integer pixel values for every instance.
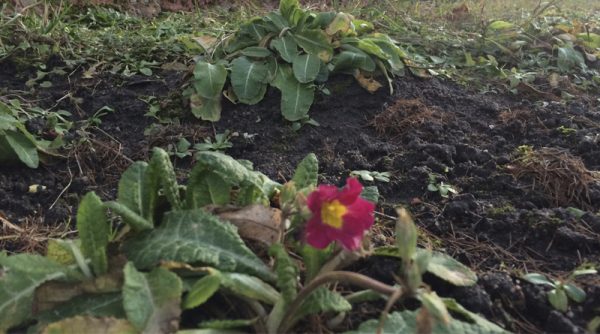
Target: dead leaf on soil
(256, 222)
(370, 84)
(205, 41)
(81, 324)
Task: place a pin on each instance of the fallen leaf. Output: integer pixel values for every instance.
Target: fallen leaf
(256, 222)
(370, 84)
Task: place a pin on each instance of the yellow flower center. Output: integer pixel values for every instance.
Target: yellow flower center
(332, 213)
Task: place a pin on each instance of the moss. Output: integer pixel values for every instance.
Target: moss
(501, 210)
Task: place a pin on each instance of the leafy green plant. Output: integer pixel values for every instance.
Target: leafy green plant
(370, 176)
(295, 51)
(562, 289)
(442, 188)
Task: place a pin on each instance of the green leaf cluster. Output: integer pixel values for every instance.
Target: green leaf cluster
(295, 51)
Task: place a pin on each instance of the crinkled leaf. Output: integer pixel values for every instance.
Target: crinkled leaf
(162, 166)
(450, 270)
(307, 172)
(202, 290)
(306, 67)
(97, 305)
(316, 42)
(209, 79)
(21, 275)
(151, 301)
(94, 231)
(90, 325)
(323, 300)
(210, 189)
(569, 58)
(370, 193)
(296, 97)
(287, 273)
(132, 219)
(194, 236)
(247, 79)
(286, 47)
(138, 190)
(25, 149)
(406, 322)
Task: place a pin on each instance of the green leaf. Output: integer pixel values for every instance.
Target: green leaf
(370, 193)
(202, 290)
(287, 9)
(287, 273)
(209, 79)
(306, 67)
(450, 270)
(207, 188)
(406, 322)
(151, 301)
(205, 108)
(485, 325)
(296, 97)
(591, 40)
(249, 287)
(316, 42)
(569, 58)
(350, 60)
(137, 222)
(436, 307)
(94, 231)
(558, 299)
(322, 300)
(256, 52)
(500, 25)
(227, 324)
(138, 191)
(406, 235)
(195, 237)
(277, 20)
(306, 173)
(162, 166)
(341, 23)
(574, 292)
(369, 46)
(286, 47)
(21, 275)
(314, 259)
(81, 324)
(248, 79)
(535, 278)
(97, 305)
(23, 147)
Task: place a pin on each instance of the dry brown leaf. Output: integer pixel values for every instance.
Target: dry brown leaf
(256, 222)
(205, 41)
(370, 84)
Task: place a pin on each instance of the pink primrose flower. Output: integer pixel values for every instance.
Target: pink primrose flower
(338, 215)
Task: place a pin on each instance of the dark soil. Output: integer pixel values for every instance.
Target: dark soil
(498, 224)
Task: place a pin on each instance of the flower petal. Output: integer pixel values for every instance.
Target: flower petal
(350, 192)
(315, 234)
(350, 242)
(324, 193)
(359, 216)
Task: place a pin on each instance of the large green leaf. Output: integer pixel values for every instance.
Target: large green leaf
(97, 305)
(209, 79)
(138, 191)
(23, 147)
(439, 264)
(256, 52)
(406, 322)
(94, 231)
(249, 287)
(296, 97)
(316, 42)
(286, 47)
(205, 108)
(369, 46)
(569, 58)
(307, 172)
(290, 10)
(195, 237)
(248, 79)
(353, 59)
(202, 290)
(21, 275)
(306, 67)
(207, 188)
(151, 301)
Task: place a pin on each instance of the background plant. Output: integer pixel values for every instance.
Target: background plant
(295, 51)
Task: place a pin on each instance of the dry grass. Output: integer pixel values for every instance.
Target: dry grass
(562, 176)
(31, 236)
(404, 116)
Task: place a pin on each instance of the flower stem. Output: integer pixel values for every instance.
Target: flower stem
(331, 277)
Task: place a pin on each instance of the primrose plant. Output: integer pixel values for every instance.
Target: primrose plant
(562, 289)
(179, 251)
(295, 51)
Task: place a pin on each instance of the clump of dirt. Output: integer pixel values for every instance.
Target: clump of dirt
(562, 176)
